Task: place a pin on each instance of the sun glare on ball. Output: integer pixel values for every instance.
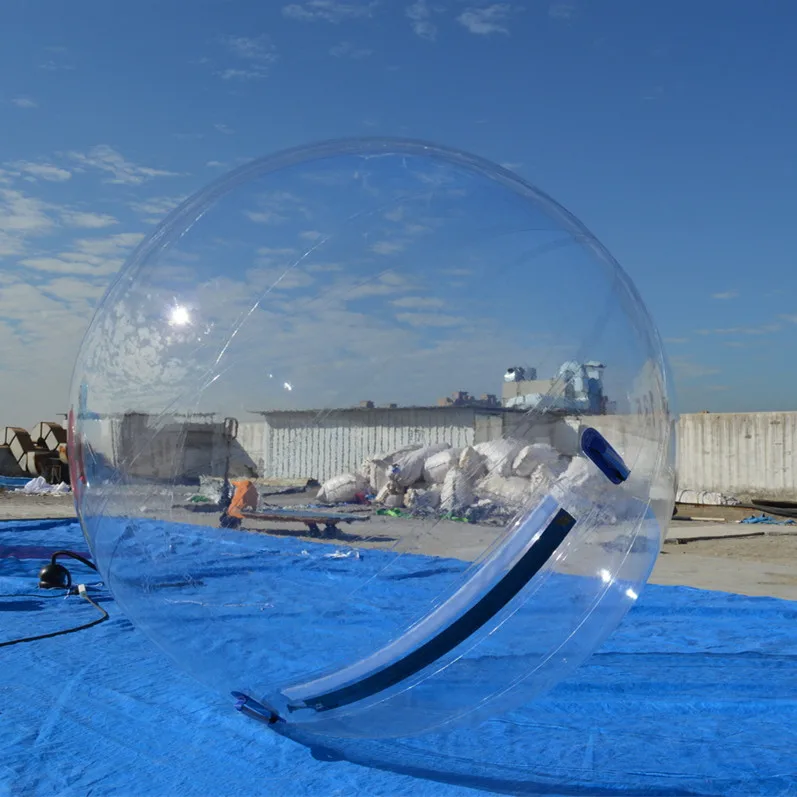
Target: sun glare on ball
(179, 316)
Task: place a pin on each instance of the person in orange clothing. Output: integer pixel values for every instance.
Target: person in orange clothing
(244, 499)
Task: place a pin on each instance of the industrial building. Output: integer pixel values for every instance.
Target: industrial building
(741, 454)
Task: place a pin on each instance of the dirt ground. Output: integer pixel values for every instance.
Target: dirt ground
(704, 552)
(776, 550)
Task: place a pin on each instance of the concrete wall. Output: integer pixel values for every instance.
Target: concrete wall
(175, 450)
(299, 445)
(747, 454)
(751, 455)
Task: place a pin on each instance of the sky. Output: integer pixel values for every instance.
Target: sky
(668, 129)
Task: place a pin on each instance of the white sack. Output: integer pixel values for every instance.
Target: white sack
(500, 455)
(529, 457)
(341, 489)
(508, 490)
(437, 466)
(410, 464)
(417, 500)
(375, 472)
(457, 493)
(473, 464)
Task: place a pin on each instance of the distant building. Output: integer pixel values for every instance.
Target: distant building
(577, 388)
(464, 399)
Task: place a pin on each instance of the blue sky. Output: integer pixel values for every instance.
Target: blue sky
(669, 129)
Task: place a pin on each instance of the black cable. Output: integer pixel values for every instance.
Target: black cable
(81, 590)
(74, 555)
(83, 593)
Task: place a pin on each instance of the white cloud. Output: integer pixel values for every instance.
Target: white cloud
(395, 214)
(188, 136)
(90, 256)
(37, 363)
(276, 207)
(23, 214)
(416, 229)
(328, 11)
(685, 368)
(387, 247)
(73, 289)
(23, 218)
(417, 302)
(41, 171)
(321, 268)
(420, 15)
(258, 54)
(429, 319)
(122, 171)
(265, 217)
(487, 20)
(89, 221)
(764, 329)
(348, 50)
(562, 11)
(243, 74)
(54, 66)
(24, 102)
(252, 49)
(270, 255)
(725, 295)
(222, 128)
(155, 208)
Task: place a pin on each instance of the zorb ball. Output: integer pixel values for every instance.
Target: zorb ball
(373, 437)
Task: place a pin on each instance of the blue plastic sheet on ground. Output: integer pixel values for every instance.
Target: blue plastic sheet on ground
(696, 694)
(766, 520)
(12, 482)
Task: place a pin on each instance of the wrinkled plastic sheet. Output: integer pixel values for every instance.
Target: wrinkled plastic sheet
(695, 694)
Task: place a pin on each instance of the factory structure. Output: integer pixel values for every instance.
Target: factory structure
(731, 453)
(307, 444)
(576, 388)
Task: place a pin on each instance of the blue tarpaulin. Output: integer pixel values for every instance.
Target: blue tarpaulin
(13, 482)
(766, 520)
(695, 694)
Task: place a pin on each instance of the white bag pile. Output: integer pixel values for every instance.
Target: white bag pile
(501, 474)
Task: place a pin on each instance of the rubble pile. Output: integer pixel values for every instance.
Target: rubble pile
(486, 481)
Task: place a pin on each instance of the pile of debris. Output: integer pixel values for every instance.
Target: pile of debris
(482, 482)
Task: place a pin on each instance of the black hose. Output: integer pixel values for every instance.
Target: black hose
(63, 631)
(74, 555)
(780, 508)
